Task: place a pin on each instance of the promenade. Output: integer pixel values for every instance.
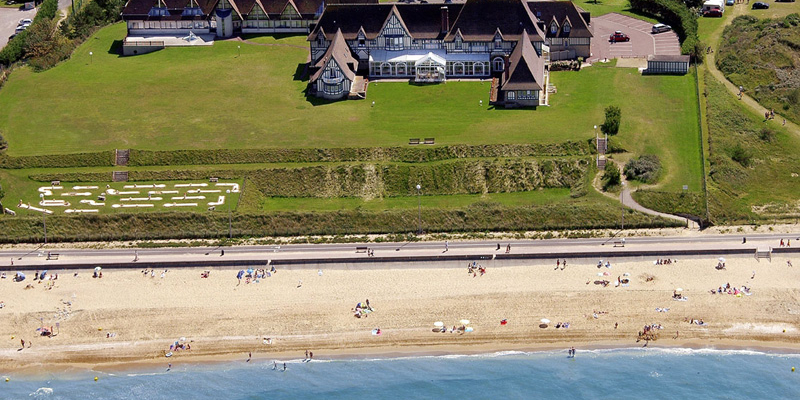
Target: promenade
(433, 253)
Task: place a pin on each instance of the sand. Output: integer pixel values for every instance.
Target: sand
(222, 319)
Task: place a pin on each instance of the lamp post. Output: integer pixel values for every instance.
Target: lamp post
(239, 51)
(44, 219)
(230, 226)
(622, 201)
(91, 58)
(419, 210)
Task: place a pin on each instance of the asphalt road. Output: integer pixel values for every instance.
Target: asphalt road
(642, 43)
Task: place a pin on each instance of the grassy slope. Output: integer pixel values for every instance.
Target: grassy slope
(768, 188)
(744, 62)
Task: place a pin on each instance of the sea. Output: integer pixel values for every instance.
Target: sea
(649, 373)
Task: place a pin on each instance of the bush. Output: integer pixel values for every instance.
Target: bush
(741, 155)
(347, 154)
(613, 117)
(611, 176)
(45, 46)
(643, 169)
(766, 134)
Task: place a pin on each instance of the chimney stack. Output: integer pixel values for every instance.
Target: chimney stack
(445, 19)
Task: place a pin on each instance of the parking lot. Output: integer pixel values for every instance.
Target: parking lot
(642, 43)
(9, 18)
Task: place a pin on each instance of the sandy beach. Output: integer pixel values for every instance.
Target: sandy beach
(128, 318)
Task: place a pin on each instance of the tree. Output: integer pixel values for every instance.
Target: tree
(613, 118)
(611, 176)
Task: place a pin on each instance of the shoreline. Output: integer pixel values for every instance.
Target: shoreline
(392, 353)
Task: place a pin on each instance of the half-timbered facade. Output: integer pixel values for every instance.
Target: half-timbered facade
(434, 42)
(225, 18)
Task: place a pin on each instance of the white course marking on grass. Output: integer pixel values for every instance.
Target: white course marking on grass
(84, 187)
(54, 203)
(220, 201)
(180, 205)
(131, 205)
(151, 186)
(204, 191)
(163, 192)
(77, 194)
(32, 208)
(92, 203)
(129, 192)
(141, 199)
(234, 186)
(88, 210)
(191, 184)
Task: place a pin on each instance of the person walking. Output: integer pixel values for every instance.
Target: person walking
(446, 246)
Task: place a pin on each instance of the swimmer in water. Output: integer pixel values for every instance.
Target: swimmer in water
(274, 365)
(284, 366)
(169, 366)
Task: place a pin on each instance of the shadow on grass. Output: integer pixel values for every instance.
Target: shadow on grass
(116, 48)
(301, 73)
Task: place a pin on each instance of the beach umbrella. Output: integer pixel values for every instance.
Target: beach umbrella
(545, 321)
(721, 259)
(249, 270)
(97, 269)
(20, 276)
(43, 274)
(679, 289)
(438, 324)
(465, 322)
(240, 274)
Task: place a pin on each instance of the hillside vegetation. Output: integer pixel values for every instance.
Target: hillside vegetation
(763, 56)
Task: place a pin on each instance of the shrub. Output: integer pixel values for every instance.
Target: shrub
(741, 155)
(613, 117)
(643, 169)
(611, 176)
(766, 134)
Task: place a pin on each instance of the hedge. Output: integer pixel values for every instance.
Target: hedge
(679, 16)
(182, 225)
(98, 159)
(419, 153)
(378, 180)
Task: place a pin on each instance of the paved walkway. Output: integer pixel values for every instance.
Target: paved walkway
(711, 64)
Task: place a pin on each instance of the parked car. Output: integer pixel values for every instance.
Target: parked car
(730, 2)
(618, 36)
(20, 29)
(26, 21)
(713, 13)
(658, 28)
(759, 5)
(12, 37)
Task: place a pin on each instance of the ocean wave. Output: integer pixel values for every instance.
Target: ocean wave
(42, 392)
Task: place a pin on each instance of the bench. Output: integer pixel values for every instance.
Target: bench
(55, 183)
(52, 256)
(362, 249)
(213, 180)
(429, 140)
(413, 141)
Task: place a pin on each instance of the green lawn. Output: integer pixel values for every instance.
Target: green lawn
(207, 97)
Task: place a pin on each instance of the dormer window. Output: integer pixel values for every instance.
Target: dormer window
(498, 42)
(361, 40)
(320, 40)
(566, 28)
(458, 43)
(553, 28)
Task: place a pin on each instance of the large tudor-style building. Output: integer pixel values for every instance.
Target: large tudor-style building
(352, 41)
(509, 40)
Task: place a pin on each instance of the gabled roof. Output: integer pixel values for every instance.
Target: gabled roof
(396, 13)
(562, 11)
(304, 7)
(526, 68)
(479, 19)
(339, 52)
(244, 6)
(422, 21)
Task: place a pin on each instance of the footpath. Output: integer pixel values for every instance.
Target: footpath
(411, 255)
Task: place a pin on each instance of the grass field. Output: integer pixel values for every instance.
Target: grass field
(209, 98)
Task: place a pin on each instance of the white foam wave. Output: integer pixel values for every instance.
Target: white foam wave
(42, 392)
